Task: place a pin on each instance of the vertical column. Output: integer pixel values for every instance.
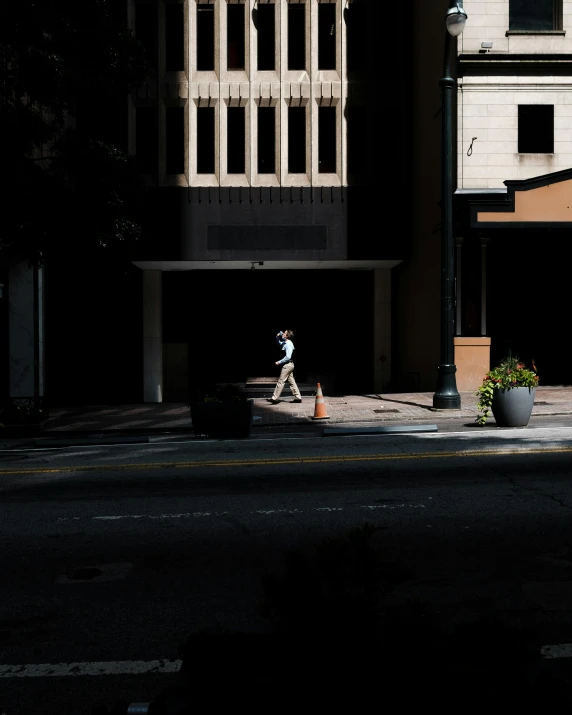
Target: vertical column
(381, 328)
(282, 135)
(161, 109)
(4, 344)
(484, 242)
(458, 287)
(25, 330)
(152, 336)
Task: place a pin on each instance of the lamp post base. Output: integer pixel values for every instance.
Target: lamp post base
(447, 396)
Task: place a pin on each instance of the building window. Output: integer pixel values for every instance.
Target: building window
(297, 36)
(266, 140)
(296, 140)
(356, 34)
(327, 140)
(326, 36)
(535, 15)
(205, 38)
(146, 139)
(536, 129)
(146, 30)
(357, 140)
(235, 140)
(174, 37)
(175, 140)
(264, 20)
(205, 140)
(235, 36)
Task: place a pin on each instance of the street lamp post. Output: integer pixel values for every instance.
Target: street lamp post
(446, 396)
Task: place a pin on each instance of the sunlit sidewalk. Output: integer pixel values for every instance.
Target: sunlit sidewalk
(341, 409)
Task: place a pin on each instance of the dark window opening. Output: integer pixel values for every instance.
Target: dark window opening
(175, 140)
(536, 129)
(266, 140)
(205, 140)
(326, 140)
(326, 36)
(235, 36)
(146, 139)
(236, 140)
(297, 36)
(146, 30)
(531, 15)
(266, 31)
(205, 38)
(357, 140)
(174, 38)
(356, 34)
(296, 140)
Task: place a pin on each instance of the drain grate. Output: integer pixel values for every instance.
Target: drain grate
(382, 412)
(543, 403)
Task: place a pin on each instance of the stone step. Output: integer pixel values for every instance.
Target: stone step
(260, 381)
(267, 390)
(259, 387)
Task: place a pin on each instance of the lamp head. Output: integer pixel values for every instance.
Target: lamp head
(455, 20)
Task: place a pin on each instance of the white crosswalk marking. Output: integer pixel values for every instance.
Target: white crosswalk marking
(563, 650)
(112, 667)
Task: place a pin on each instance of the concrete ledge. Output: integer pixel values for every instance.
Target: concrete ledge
(387, 429)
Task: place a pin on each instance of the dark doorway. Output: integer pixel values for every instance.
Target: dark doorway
(328, 311)
(526, 307)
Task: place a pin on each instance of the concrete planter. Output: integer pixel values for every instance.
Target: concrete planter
(232, 419)
(513, 407)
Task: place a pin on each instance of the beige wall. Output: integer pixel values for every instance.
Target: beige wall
(488, 22)
(488, 106)
(249, 88)
(488, 110)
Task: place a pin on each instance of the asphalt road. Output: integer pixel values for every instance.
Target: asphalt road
(112, 555)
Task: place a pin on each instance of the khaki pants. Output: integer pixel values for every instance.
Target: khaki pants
(287, 374)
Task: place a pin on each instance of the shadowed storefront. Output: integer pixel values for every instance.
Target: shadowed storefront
(512, 271)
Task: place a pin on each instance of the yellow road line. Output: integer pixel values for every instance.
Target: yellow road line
(282, 461)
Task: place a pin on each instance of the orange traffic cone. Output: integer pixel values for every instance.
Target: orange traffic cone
(320, 407)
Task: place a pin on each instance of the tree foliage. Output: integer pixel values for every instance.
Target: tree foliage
(65, 70)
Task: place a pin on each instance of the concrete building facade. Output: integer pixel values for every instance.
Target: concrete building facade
(292, 152)
(259, 133)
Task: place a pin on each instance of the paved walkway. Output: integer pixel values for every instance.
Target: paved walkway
(347, 410)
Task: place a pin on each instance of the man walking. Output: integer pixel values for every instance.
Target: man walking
(284, 339)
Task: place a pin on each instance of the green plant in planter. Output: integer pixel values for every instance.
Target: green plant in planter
(510, 372)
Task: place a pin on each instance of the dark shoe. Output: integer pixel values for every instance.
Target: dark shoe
(273, 402)
(296, 400)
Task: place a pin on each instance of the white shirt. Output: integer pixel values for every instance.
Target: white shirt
(287, 346)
